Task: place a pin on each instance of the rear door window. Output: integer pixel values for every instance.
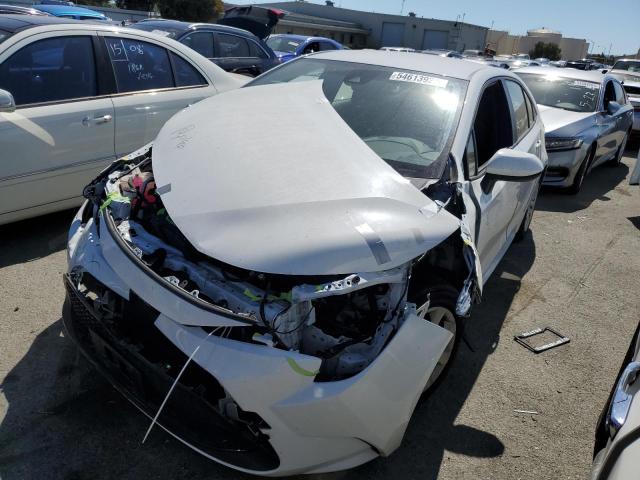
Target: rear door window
(201, 42)
(232, 46)
(52, 69)
(139, 65)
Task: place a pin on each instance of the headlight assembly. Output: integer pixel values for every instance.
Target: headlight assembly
(560, 144)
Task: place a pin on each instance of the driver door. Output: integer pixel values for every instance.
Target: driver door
(495, 200)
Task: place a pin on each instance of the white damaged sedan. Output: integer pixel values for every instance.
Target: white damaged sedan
(283, 273)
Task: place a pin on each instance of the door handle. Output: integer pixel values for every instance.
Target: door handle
(87, 121)
(103, 119)
(621, 401)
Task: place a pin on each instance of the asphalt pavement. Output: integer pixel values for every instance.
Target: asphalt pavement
(578, 272)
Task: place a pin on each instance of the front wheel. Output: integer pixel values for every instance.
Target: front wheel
(437, 304)
(526, 221)
(582, 172)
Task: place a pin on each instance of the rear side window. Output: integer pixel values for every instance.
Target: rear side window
(327, 46)
(186, 75)
(139, 65)
(232, 46)
(518, 108)
(201, 42)
(492, 125)
(53, 69)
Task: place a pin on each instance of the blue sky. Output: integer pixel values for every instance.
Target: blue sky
(602, 22)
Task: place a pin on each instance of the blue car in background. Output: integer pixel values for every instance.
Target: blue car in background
(287, 46)
(71, 11)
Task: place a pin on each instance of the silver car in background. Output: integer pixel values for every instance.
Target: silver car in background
(587, 118)
(633, 94)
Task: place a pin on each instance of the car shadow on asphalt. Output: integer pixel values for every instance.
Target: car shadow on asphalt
(597, 185)
(34, 238)
(64, 421)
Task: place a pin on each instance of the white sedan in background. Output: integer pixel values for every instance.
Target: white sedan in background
(76, 96)
(276, 284)
(587, 117)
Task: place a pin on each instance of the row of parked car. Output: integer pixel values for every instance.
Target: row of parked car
(275, 249)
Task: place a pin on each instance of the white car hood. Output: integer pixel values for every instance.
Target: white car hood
(557, 118)
(271, 179)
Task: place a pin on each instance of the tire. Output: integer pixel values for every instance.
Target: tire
(442, 307)
(617, 160)
(526, 221)
(582, 172)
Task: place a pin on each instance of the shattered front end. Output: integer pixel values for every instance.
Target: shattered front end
(273, 374)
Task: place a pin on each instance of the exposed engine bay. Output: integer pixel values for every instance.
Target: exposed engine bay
(346, 321)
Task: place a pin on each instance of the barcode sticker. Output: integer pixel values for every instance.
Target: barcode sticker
(417, 78)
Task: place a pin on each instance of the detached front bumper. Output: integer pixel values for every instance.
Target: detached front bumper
(288, 423)
(563, 166)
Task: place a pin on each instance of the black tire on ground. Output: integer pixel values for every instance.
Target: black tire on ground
(441, 310)
(582, 172)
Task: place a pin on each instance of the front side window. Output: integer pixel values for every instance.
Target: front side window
(620, 96)
(201, 42)
(559, 92)
(139, 65)
(311, 48)
(232, 46)
(609, 94)
(492, 125)
(407, 118)
(518, 108)
(53, 69)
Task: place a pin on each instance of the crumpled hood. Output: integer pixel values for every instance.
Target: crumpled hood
(271, 179)
(563, 123)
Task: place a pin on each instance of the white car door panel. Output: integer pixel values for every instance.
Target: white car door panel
(50, 152)
(62, 131)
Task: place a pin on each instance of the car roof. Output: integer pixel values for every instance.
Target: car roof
(68, 10)
(14, 23)
(185, 26)
(586, 75)
(434, 64)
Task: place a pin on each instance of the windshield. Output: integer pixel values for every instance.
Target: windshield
(161, 30)
(4, 35)
(566, 93)
(628, 66)
(407, 118)
(283, 44)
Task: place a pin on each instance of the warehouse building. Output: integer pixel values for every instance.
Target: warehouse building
(505, 44)
(383, 30)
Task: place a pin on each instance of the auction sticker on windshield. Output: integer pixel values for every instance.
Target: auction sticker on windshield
(416, 78)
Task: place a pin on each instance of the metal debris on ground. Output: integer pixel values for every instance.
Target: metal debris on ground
(522, 339)
(530, 412)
